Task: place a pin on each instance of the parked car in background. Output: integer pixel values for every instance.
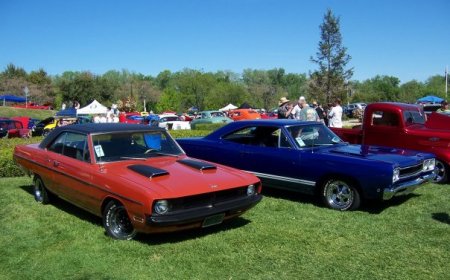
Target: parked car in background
(136, 177)
(206, 117)
(10, 128)
(244, 114)
(173, 122)
(350, 108)
(308, 157)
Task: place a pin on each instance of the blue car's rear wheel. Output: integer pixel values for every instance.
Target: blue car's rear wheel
(116, 221)
(340, 195)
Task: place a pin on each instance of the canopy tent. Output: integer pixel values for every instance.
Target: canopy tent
(430, 99)
(94, 108)
(228, 107)
(69, 112)
(12, 98)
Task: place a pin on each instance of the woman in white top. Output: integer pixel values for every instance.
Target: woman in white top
(335, 115)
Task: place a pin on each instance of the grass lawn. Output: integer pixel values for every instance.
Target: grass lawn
(6, 111)
(286, 236)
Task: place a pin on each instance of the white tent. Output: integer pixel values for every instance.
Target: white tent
(228, 107)
(94, 108)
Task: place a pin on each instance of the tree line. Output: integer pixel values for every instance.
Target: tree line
(189, 88)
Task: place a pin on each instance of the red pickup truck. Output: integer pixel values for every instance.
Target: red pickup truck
(404, 126)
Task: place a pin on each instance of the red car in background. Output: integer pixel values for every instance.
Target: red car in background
(11, 128)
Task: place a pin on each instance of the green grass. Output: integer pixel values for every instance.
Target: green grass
(6, 111)
(286, 236)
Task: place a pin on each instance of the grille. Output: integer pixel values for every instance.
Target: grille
(410, 171)
(206, 200)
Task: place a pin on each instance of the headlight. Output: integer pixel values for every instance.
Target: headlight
(428, 164)
(251, 190)
(396, 175)
(161, 207)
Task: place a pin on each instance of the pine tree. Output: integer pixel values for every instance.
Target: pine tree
(330, 80)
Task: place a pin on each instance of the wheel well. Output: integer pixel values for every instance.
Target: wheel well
(106, 201)
(320, 183)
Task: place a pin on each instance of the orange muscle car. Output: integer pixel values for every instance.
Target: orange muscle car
(136, 177)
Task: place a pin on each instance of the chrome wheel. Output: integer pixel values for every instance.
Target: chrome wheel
(340, 195)
(116, 221)
(40, 193)
(441, 172)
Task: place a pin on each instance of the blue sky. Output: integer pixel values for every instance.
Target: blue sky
(406, 39)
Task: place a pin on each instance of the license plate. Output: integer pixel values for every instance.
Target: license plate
(213, 220)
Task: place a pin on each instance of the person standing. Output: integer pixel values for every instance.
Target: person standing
(284, 108)
(319, 110)
(306, 113)
(335, 115)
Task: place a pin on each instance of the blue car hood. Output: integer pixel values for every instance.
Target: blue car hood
(386, 154)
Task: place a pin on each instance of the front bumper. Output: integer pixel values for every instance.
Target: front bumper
(229, 208)
(407, 187)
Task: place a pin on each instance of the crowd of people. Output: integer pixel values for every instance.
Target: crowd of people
(330, 116)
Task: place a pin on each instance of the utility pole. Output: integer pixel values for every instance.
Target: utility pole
(446, 81)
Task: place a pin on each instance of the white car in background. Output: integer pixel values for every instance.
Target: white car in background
(173, 122)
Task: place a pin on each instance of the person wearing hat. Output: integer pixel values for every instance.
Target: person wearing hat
(444, 107)
(284, 108)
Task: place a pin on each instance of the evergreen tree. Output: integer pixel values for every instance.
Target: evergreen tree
(329, 81)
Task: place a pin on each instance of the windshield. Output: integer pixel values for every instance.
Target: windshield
(313, 135)
(413, 117)
(133, 145)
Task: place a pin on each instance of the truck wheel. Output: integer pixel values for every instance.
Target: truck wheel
(441, 171)
(340, 195)
(116, 221)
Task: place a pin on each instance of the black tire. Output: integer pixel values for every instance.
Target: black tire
(116, 221)
(441, 171)
(340, 195)
(41, 195)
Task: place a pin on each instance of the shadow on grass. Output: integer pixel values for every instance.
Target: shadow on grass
(151, 239)
(369, 206)
(441, 217)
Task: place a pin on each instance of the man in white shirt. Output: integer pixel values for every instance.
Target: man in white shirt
(335, 115)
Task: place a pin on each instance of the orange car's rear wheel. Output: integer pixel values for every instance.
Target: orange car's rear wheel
(41, 194)
(116, 221)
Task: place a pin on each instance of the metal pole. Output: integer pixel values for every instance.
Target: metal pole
(446, 81)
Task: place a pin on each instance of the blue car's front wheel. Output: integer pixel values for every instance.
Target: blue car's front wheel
(340, 195)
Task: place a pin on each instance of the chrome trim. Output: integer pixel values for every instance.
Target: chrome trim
(406, 187)
(282, 178)
(406, 176)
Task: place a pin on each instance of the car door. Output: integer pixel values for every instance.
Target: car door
(69, 158)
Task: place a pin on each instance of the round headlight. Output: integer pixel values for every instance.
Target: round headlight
(396, 175)
(251, 190)
(161, 207)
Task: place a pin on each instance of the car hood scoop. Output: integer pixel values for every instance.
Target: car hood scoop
(200, 165)
(148, 171)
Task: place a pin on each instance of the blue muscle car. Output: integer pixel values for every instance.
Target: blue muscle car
(308, 157)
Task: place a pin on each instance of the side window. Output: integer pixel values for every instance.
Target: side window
(255, 136)
(72, 145)
(58, 145)
(384, 118)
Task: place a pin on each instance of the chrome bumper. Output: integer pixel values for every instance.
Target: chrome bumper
(406, 187)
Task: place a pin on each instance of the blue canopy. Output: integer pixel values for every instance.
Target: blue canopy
(12, 98)
(69, 112)
(431, 99)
